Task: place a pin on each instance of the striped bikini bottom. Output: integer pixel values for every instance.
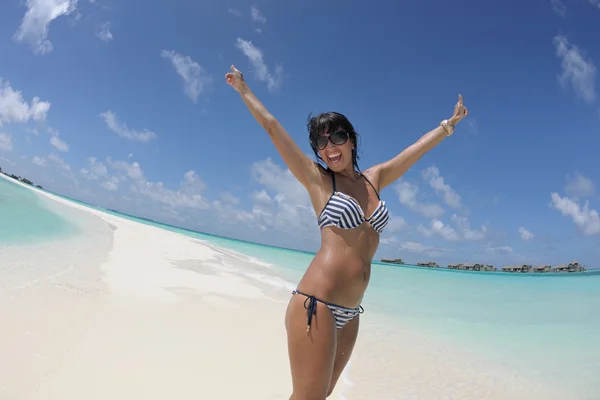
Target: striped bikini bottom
(342, 315)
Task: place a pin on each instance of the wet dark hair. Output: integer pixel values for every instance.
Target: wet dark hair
(330, 122)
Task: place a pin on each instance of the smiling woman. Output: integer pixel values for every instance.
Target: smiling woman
(25, 217)
(351, 216)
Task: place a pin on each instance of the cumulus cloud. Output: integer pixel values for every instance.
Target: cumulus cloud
(407, 195)
(579, 185)
(419, 248)
(5, 142)
(97, 170)
(120, 128)
(559, 7)
(437, 183)
(234, 11)
(577, 72)
(525, 234)
(39, 161)
(103, 32)
(59, 144)
(261, 70)
(15, 109)
(463, 230)
(195, 78)
(586, 219)
(499, 250)
(258, 18)
(36, 22)
(440, 229)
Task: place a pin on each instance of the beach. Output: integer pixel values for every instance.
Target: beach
(126, 310)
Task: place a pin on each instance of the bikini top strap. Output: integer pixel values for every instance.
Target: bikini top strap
(333, 181)
(369, 182)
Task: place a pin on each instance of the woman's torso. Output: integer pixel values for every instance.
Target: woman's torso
(340, 271)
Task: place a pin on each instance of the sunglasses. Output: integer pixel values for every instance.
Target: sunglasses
(338, 138)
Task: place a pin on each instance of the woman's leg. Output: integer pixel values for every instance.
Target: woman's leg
(312, 353)
(346, 339)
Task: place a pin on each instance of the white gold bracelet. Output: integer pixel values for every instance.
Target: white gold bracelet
(448, 127)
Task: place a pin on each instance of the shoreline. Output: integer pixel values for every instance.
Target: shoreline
(177, 317)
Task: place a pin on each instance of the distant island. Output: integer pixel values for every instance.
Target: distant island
(20, 179)
(573, 266)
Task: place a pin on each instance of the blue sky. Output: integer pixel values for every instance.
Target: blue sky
(124, 104)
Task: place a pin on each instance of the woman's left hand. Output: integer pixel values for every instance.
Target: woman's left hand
(460, 111)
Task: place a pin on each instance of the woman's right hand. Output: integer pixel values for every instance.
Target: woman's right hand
(235, 79)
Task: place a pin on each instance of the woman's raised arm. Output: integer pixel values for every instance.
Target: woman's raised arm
(303, 168)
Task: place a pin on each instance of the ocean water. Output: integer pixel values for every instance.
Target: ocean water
(25, 217)
(545, 326)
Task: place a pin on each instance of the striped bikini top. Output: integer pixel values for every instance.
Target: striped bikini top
(344, 211)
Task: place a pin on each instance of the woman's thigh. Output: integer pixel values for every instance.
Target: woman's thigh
(312, 353)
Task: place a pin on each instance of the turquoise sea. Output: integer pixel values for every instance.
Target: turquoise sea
(26, 217)
(541, 325)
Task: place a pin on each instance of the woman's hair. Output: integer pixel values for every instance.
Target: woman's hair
(330, 122)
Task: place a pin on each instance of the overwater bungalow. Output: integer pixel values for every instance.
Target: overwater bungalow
(472, 267)
(428, 264)
(570, 267)
(542, 268)
(511, 268)
(455, 266)
(561, 268)
(517, 268)
(489, 267)
(392, 260)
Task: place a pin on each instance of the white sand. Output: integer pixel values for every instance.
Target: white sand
(165, 316)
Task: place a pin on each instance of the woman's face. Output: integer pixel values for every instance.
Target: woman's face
(335, 149)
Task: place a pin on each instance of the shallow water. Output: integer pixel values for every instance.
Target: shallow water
(26, 217)
(539, 325)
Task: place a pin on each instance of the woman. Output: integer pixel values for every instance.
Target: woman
(323, 313)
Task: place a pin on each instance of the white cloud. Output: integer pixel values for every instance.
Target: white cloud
(121, 129)
(579, 186)
(195, 78)
(463, 231)
(227, 197)
(5, 142)
(525, 234)
(577, 72)
(396, 224)
(189, 194)
(499, 250)
(104, 33)
(595, 3)
(559, 7)
(255, 55)
(112, 184)
(419, 248)
(14, 109)
(59, 144)
(440, 229)
(59, 161)
(36, 21)
(407, 195)
(234, 11)
(132, 171)
(257, 16)
(464, 228)
(39, 161)
(437, 183)
(96, 170)
(586, 219)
